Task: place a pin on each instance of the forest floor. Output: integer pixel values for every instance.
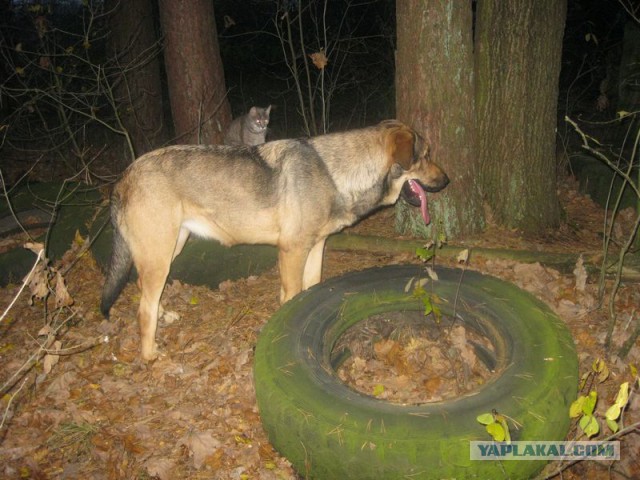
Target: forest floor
(91, 409)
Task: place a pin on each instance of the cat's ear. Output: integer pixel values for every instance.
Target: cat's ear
(253, 111)
(268, 110)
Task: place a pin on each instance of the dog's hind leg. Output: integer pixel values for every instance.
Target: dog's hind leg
(168, 316)
(313, 265)
(151, 278)
(152, 248)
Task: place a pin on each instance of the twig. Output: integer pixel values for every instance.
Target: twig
(11, 210)
(7, 408)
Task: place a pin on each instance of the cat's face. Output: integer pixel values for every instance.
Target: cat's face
(260, 118)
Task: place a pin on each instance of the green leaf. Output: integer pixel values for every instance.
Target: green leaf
(613, 425)
(575, 410)
(589, 425)
(428, 307)
(600, 367)
(597, 365)
(419, 291)
(583, 380)
(496, 431)
(623, 395)
(437, 312)
(505, 427)
(613, 412)
(589, 404)
(424, 254)
(378, 390)
(485, 418)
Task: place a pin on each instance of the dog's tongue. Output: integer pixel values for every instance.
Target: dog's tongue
(418, 190)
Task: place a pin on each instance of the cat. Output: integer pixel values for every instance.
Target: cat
(249, 129)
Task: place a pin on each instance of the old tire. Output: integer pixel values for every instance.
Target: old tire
(328, 430)
(65, 208)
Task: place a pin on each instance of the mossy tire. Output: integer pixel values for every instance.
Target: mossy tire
(328, 430)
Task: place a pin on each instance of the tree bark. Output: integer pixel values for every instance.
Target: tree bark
(518, 53)
(435, 95)
(138, 88)
(195, 76)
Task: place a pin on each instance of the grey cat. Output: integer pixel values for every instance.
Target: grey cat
(250, 128)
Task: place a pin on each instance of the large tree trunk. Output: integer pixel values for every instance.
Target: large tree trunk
(138, 90)
(435, 95)
(195, 75)
(518, 52)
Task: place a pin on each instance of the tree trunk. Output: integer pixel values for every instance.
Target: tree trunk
(435, 95)
(201, 112)
(518, 52)
(138, 89)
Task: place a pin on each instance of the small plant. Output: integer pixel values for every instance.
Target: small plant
(430, 301)
(615, 411)
(584, 407)
(496, 425)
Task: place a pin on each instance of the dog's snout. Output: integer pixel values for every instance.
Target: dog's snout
(445, 180)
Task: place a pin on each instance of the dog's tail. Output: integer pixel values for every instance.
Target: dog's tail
(119, 267)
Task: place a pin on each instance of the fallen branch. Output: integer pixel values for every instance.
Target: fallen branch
(561, 261)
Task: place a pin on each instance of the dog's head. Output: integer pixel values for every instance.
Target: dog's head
(411, 174)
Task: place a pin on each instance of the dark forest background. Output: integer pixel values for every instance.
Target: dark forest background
(87, 86)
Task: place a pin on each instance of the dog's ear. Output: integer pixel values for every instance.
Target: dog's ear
(401, 148)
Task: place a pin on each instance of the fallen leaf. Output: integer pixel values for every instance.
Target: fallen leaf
(63, 299)
(39, 282)
(35, 247)
(59, 388)
(200, 444)
(160, 467)
(432, 273)
(51, 359)
(432, 384)
(463, 256)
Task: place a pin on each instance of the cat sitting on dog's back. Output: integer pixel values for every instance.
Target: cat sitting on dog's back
(249, 129)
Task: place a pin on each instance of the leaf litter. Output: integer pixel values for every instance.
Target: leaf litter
(410, 358)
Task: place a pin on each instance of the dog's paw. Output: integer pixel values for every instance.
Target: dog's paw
(150, 354)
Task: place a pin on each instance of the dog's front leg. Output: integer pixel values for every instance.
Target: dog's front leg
(291, 261)
(313, 266)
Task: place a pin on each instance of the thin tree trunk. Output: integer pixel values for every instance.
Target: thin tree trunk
(135, 49)
(518, 52)
(435, 95)
(195, 76)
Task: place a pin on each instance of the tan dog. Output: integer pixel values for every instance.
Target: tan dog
(289, 193)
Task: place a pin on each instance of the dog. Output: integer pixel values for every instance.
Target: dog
(289, 193)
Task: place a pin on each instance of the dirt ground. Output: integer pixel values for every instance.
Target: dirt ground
(91, 409)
